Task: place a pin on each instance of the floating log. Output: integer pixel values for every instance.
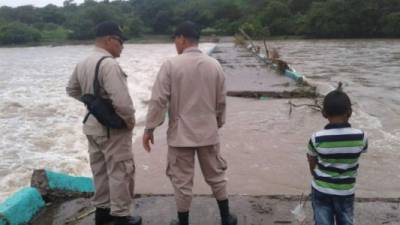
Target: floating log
(297, 93)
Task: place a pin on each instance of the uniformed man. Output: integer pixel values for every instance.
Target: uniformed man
(110, 150)
(191, 86)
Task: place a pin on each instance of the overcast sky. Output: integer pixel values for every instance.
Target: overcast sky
(36, 3)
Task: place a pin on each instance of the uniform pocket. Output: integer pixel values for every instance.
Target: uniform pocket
(122, 147)
(222, 164)
(129, 166)
(171, 161)
(100, 140)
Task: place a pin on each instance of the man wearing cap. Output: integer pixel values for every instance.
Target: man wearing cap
(110, 150)
(191, 86)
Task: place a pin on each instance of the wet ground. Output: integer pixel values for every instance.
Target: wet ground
(251, 210)
(265, 145)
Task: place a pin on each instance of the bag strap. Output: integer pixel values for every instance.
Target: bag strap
(96, 84)
(96, 87)
(86, 117)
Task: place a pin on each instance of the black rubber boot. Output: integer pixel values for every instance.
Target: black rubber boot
(102, 216)
(127, 220)
(227, 218)
(183, 219)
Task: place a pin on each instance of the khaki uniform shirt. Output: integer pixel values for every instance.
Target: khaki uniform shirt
(113, 85)
(192, 87)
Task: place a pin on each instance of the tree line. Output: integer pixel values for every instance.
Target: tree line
(259, 18)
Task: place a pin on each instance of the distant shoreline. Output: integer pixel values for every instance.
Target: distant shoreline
(147, 39)
(161, 39)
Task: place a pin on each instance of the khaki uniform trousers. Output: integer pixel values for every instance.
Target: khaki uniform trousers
(180, 170)
(113, 176)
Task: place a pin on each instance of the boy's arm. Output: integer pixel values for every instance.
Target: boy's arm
(365, 141)
(221, 99)
(312, 156)
(312, 162)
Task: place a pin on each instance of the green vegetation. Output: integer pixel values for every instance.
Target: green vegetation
(18, 33)
(260, 18)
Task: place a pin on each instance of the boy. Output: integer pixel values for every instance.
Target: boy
(333, 158)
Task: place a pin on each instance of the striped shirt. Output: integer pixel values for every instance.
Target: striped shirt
(337, 149)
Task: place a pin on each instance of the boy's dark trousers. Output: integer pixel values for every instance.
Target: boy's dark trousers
(330, 208)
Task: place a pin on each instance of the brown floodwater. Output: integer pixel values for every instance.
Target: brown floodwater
(368, 68)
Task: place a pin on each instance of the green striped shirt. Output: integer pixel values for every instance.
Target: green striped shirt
(337, 149)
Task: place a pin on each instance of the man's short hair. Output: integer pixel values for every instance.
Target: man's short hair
(336, 103)
(189, 30)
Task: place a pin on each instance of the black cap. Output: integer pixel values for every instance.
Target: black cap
(109, 28)
(188, 29)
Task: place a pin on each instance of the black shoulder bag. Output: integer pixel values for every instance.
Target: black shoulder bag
(101, 108)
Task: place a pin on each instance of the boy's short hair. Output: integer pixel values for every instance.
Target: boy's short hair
(336, 103)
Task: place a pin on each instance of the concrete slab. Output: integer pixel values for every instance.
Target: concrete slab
(251, 210)
(265, 148)
(245, 73)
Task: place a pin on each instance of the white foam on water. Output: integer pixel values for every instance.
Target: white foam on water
(366, 120)
(382, 140)
(40, 125)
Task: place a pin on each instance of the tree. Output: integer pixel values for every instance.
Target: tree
(228, 10)
(18, 33)
(313, 18)
(7, 13)
(300, 6)
(391, 25)
(328, 19)
(81, 28)
(134, 26)
(157, 14)
(26, 14)
(99, 13)
(88, 15)
(196, 11)
(88, 3)
(363, 18)
(254, 29)
(51, 14)
(278, 17)
(69, 3)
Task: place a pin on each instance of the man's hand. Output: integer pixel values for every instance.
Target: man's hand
(147, 138)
